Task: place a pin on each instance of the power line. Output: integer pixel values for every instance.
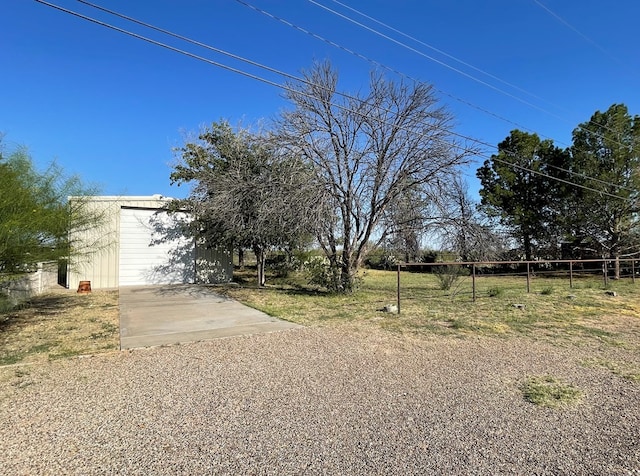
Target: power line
(361, 25)
(288, 76)
(217, 50)
(575, 30)
(384, 66)
(401, 74)
(290, 89)
(234, 70)
(437, 50)
(441, 63)
(186, 39)
(226, 53)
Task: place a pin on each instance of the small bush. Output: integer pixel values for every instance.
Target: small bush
(5, 303)
(495, 292)
(281, 265)
(318, 271)
(381, 259)
(547, 291)
(448, 275)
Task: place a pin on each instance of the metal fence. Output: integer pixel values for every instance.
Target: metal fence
(569, 269)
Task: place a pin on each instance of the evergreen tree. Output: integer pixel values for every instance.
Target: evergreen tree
(517, 189)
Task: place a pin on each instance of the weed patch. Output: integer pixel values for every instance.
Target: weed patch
(495, 292)
(626, 370)
(547, 391)
(10, 358)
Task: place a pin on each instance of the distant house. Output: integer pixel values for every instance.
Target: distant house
(137, 243)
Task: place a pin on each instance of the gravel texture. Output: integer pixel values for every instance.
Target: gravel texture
(318, 401)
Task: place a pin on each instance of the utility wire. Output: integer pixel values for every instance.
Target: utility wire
(383, 66)
(188, 40)
(575, 30)
(296, 91)
(401, 74)
(289, 76)
(240, 58)
(437, 50)
(217, 50)
(241, 72)
(361, 25)
(302, 80)
(441, 63)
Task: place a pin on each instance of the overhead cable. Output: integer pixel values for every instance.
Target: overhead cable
(372, 30)
(575, 30)
(437, 50)
(382, 65)
(431, 58)
(401, 74)
(290, 89)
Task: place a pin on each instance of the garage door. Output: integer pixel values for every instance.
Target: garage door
(153, 250)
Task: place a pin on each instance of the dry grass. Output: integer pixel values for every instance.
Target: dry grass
(59, 325)
(67, 324)
(605, 327)
(551, 311)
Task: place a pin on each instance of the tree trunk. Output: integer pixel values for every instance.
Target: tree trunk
(260, 264)
(527, 247)
(241, 258)
(615, 252)
(347, 274)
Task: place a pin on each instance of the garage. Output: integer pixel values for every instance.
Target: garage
(152, 249)
(137, 243)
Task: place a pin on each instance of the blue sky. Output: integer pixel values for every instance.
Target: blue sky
(110, 108)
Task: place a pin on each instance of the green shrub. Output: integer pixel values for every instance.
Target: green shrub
(448, 275)
(495, 292)
(5, 303)
(381, 259)
(280, 264)
(319, 271)
(547, 291)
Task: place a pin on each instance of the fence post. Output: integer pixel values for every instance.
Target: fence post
(604, 272)
(398, 295)
(633, 270)
(528, 284)
(473, 280)
(571, 274)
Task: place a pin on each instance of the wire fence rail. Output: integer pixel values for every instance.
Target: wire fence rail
(620, 268)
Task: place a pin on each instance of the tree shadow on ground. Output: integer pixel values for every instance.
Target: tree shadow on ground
(32, 309)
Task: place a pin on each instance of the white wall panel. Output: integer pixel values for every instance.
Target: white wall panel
(153, 250)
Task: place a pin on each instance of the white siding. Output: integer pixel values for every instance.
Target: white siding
(152, 249)
(97, 256)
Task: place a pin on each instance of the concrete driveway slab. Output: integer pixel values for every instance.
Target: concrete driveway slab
(171, 314)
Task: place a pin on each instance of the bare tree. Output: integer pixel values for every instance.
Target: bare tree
(405, 222)
(464, 228)
(367, 151)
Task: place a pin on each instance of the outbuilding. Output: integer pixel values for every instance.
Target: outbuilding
(134, 242)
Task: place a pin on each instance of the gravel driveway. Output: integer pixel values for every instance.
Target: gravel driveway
(318, 401)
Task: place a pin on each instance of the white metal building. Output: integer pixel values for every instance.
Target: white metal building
(137, 243)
